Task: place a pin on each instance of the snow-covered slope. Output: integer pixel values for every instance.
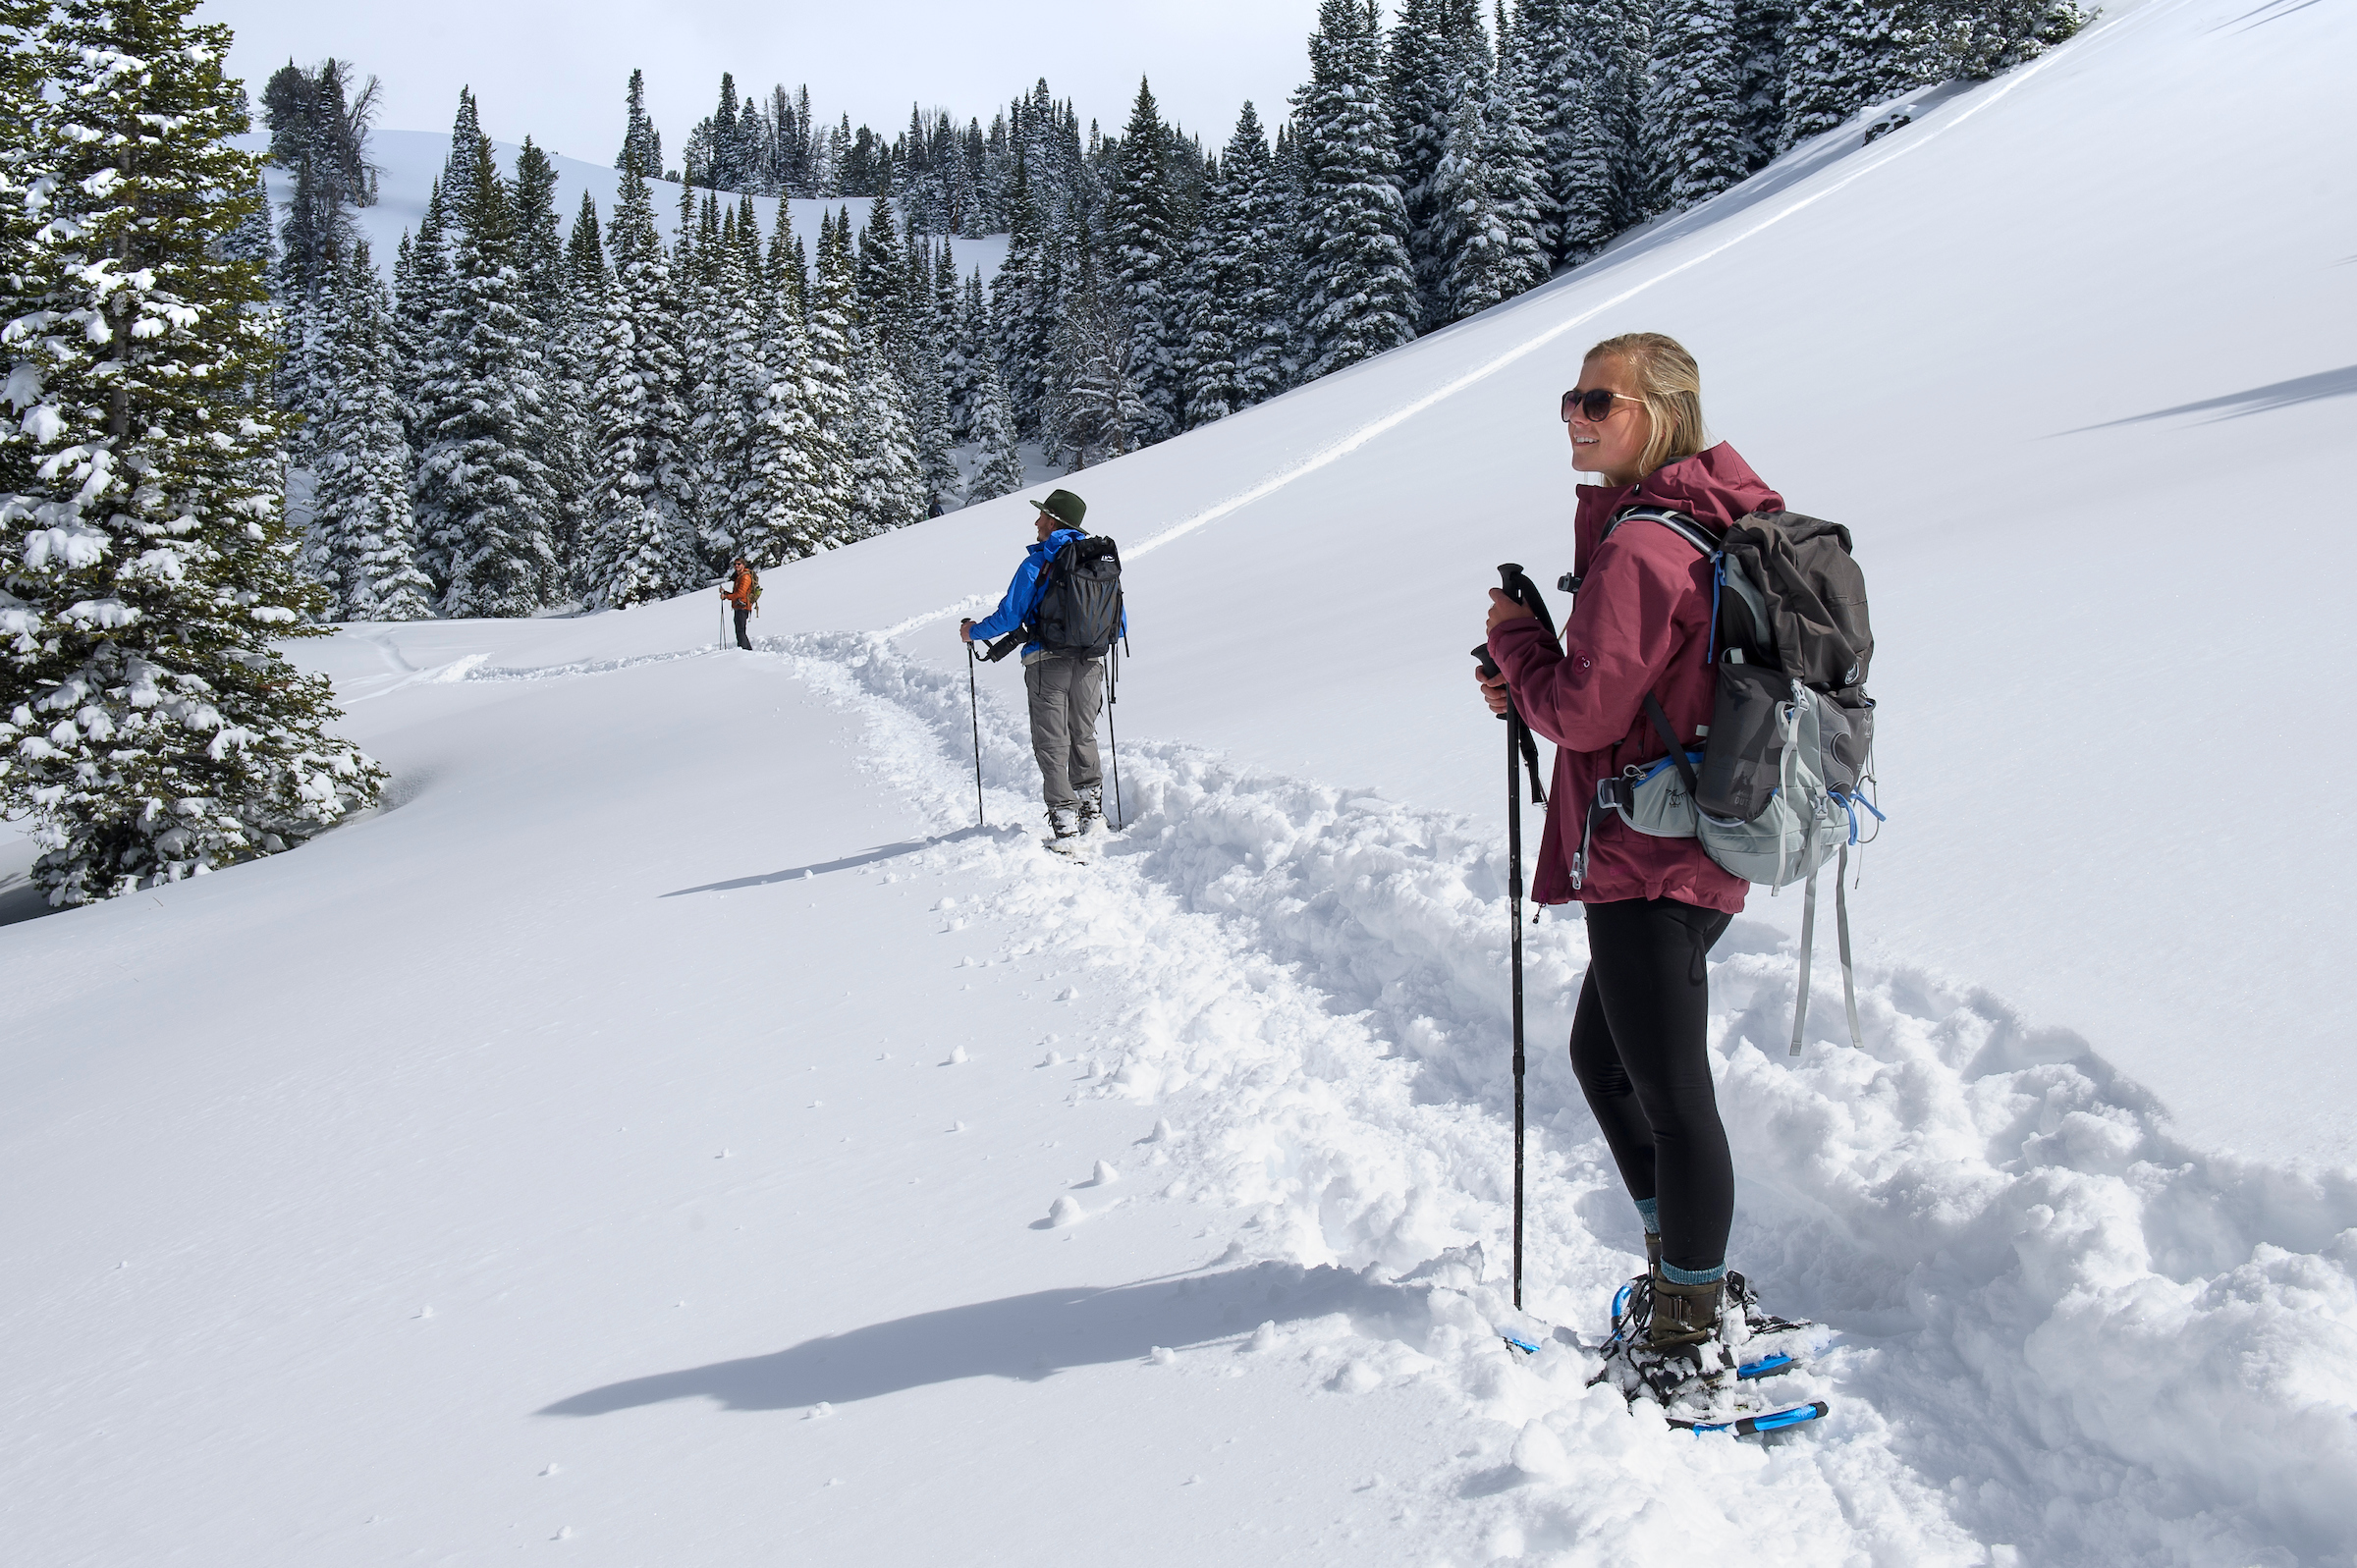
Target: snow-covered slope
(2074, 354)
(671, 1131)
(409, 162)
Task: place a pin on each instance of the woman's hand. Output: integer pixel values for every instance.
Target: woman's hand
(1492, 688)
(1503, 609)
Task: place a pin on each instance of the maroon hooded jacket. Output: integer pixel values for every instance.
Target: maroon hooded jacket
(1640, 623)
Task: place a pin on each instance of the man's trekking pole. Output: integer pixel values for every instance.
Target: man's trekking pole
(1113, 736)
(1521, 753)
(973, 706)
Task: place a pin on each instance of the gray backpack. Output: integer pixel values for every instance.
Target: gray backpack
(1778, 781)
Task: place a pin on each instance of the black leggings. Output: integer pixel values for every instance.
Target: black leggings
(1638, 1047)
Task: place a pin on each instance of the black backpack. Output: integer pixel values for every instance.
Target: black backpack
(1780, 781)
(1079, 609)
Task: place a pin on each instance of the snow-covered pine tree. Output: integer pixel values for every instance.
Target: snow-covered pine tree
(1095, 402)
(829, 320)
(1760, 77)
(1433, 45)
(575, 337)
(319, 125)
(421, 290)
(1694, 111)
(1994, 36)
(150, 730)
(704, 491)
(1142, 249)
(925, 361)
(319, 136)
(470, 164)
(1597, 173)
(1844, 56)
(1541, 64)
(639, 545)
(888, 489)
(1358, 291)
(1022, 299)
(1263, 184)
(252, 240)
(482, 478)
(1000, 463)
(829, 325)
(1208, 296)
(641, 142)
(730, 397)
(883, 304)
(362, 543)
(1489, 199)
(797, 495)
(540, 239)
(548, 298)
(963, 320)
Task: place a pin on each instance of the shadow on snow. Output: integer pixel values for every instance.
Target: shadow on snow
(1026, 1338)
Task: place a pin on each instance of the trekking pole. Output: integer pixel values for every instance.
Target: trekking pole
(1522, 752)
(973, 706)
(1113, 736)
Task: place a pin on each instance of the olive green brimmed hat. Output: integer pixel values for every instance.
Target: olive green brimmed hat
(1064, 506)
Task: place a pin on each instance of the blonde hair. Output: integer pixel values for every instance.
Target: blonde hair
(1670, 385)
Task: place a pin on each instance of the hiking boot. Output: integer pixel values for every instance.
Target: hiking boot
(1092, 808)
(1683, 1318)
(1065, 821)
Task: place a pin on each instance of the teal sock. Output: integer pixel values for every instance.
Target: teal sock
(1692, 1276)
(1649, 1210)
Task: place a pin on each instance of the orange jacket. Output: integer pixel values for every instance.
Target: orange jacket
(739, 592)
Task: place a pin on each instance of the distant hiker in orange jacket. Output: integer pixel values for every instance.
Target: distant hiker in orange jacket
(743, 591)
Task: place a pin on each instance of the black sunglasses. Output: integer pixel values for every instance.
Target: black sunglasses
(1594, 406)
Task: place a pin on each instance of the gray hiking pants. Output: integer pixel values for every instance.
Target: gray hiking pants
(1067, 695)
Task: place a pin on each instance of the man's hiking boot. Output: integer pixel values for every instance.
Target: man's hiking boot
(1066, 823)
(1092, 808)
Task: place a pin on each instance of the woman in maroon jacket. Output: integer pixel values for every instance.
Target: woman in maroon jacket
(1639, 625)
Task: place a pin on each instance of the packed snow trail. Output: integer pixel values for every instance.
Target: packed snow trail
(2063, 1333)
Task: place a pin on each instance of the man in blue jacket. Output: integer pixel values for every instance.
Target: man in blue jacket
(1066, 691)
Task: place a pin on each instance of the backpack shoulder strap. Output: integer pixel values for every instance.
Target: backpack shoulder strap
(1678, 523)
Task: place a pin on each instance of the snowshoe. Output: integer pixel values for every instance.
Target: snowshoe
(1066, 838)
(1704, 1353)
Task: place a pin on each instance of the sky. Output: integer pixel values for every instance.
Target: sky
(558, 72)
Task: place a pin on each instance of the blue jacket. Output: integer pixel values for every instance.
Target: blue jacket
(1025, 592)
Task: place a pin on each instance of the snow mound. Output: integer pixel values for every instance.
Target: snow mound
(2020, 1256)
